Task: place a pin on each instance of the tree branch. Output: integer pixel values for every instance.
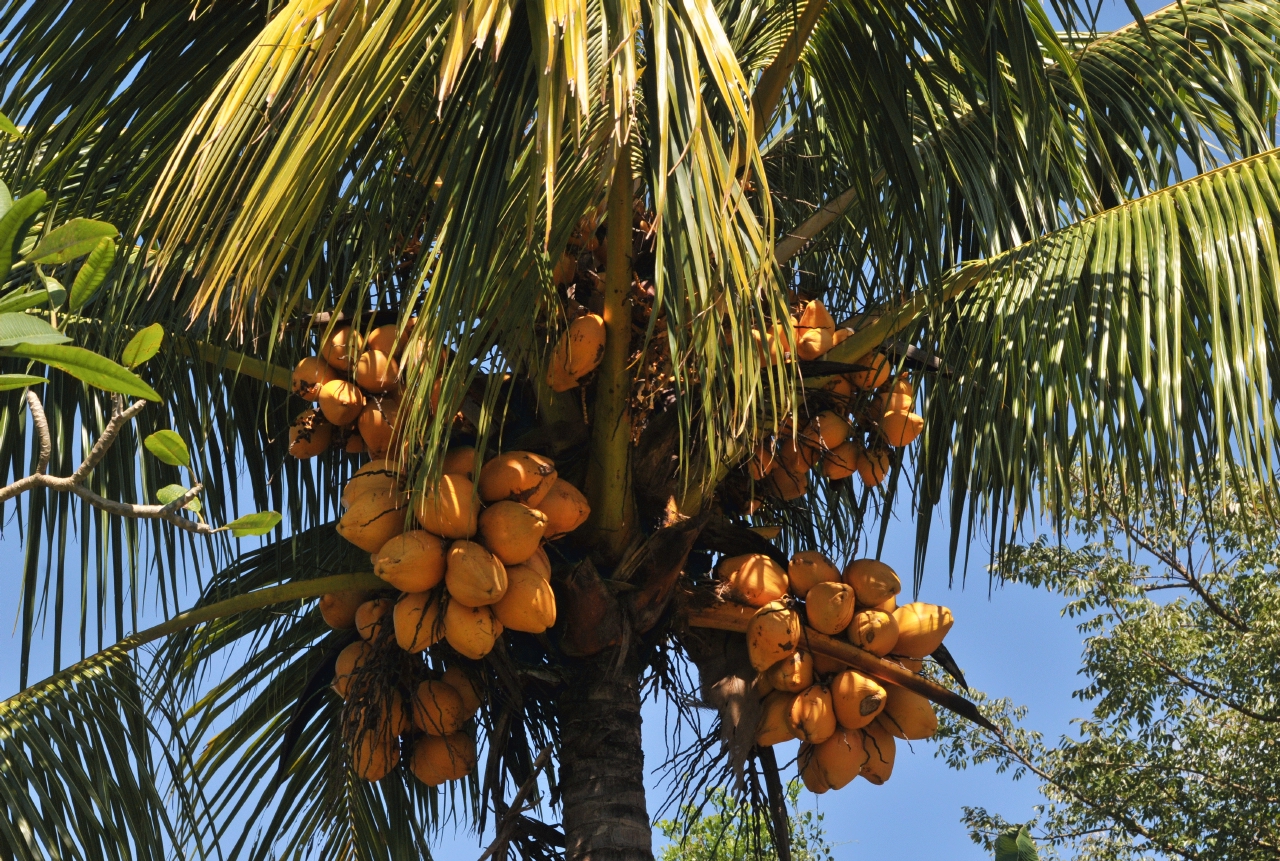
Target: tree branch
(768, 91)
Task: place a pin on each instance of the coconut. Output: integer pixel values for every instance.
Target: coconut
(921, 628)
(872, 581)
(772, 728)
(565, 507)
(772, 634)
(412, 562)
(512, 531)
(762, 461)
(309, 375)
(908, 715)
(752, 578)
(349, 660)
(354, 444)
(829, 607)
(787, 485)
(874, 630)
(338, 609)
(376, 371)
(457, 679)
(901, 428)
(471, 631)
(579, 351)
(829, 428)
(521, 476)
(874, 466)
(539, 563)
(417, 621)
(370, 616)
(387, 339)
(436, 759)
(797, 455)
(825, 665)
(565, 270)
(839, 386)
(900, 398)
(460, 461)
(375, 753)
(841, 757)
(815, 316)
(473, 575)
(377, 423)
(857, 699)
(878, 370)
(842, 461)
(374, 475)
(341, 401)
(529, 605)
(888, 605)
(813, 343)
(451, 509)
(437, 708)
(341, 348)
(810, 772)
(808, 568)
(374, 519)
(792, 674)
(761, 686)
(309, 435)
(881, 749)
(811, 717)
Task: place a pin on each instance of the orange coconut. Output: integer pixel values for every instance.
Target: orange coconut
(341, 401)
(377, 423)
(354, 444)
(350, 659)
(908, 715)
(752, 578)
(877, 371)
(371, 614)
(341, 347)
(539, 563)
(417, 621)
(566, 509)
(872, 581)
(874, 630)
(521, 476)
(829, 428)
(473, 575)
(375, 475)
(813, 343)
(874, 466)
(529, 605)
(842, 461)
(810, 772)
(310, 434)
(773, 727)
(437, 759)
(787, 485)
(901, 428)
(857, 699)
(811, 717)
(829, 607)
(881, 751)
(376, 371)
(460, 461)
(375, 753)
(451, 509)
(921, 628)
(578, 352)
(413, 561)
(373, 519)
(338, 609)
(456, 678)
(309, 375)
(825, 665)
(808, 568)
(792, 674)
(772, 634)
(841, 757)
(388, 339)
(763, 460)
(437, 708)
(512, 531)
(471, 631)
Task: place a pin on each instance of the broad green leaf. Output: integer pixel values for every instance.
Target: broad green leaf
(14, 224)
(143, 346)
(254, 524)
(74, 239)
(21, 300)
(9, 382)
(25, 329)
(1015, 844)
(93, 272)
(88, 367)
(169, 447)
(6, 199)
(7, 126)
(54, 290)
(171, 492)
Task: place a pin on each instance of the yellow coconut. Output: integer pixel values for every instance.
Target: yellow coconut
(412, 562)
(878, 370)
(310, 435)
(342, 347)
(908, 715)
(376, 371)
(872, 581)
(814, 343)
(373, 476)
(839, 386)
(338, 609)
(857, 699)
(374, 519)
(797, 455)
(761, 686)
(763, 460)
(842, 461)
(829, 607)
(824, 665)
(370, 615)
(841, 757)
(388, 339)
(456, 678)
(808, 568)
(787, 485)
(437, 708)
(888, 605)
(309, 375)
(473, 575)
(521, 476)
(460, 461)
(921, 628)
(417, 621)
(349, 660)
(810, 772)
(377, 423)
(529, 605)
(792, 674)
(341, 401)
(471, 631)
(512, 531)
(375, 753)
(874, 466)
(772, 634)
(578, 352)
(881, 750)
(566, 509)
(565, 270)
(901, 428)
(354, 444)
(830, 429)
(811, 717)
(436, 759)
(874, 630)
(752, 578)
(451, 509)
(539, 563)
(773, 728)
(815, 315)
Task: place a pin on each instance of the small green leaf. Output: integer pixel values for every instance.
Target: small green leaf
(53, 288)
(74, 239)
(6, 199)
(93, 272)
(254, 524)
(21, 300)
(171, 492)
(143, 346)
(7, 126)
(25, 329)
(169, 447)
(87, 366)
(9, 382)
(14, 226)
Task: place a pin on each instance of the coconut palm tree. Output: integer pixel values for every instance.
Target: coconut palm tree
(1066, 236)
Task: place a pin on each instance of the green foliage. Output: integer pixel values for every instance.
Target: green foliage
(76, 238)
(1015, 844)
(724, 828)
(143, 346)
(1180, 755)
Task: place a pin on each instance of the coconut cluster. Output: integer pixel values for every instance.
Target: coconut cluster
(468, 561)
(872, 413)
(847, 721)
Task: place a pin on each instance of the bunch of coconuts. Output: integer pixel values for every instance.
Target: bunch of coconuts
(846, 721)
(874, 414)
(472, 567)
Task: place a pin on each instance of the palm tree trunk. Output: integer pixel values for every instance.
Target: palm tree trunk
(602, 764)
